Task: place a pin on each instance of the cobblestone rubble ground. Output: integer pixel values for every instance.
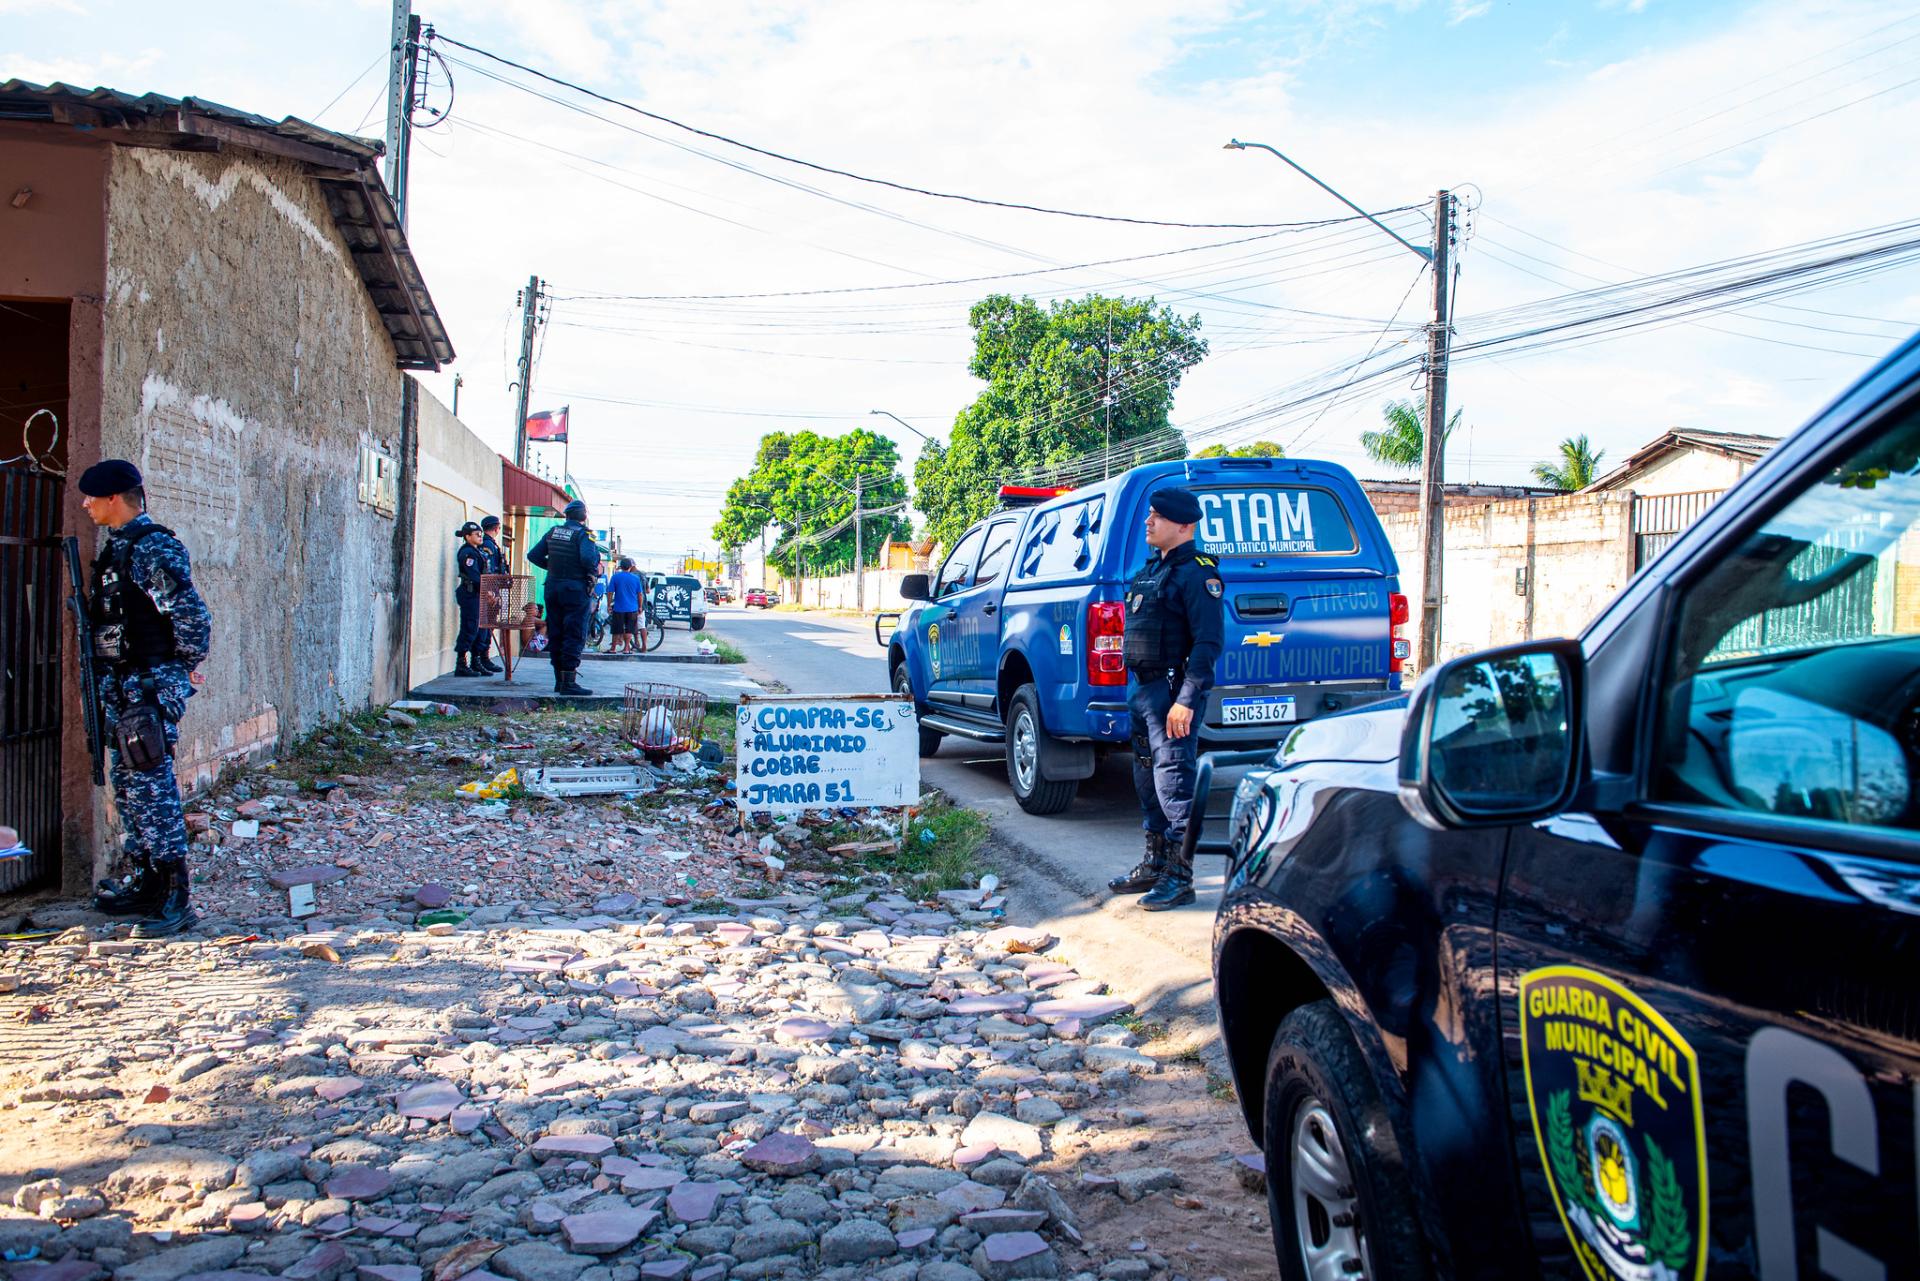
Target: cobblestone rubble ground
(593, 1074)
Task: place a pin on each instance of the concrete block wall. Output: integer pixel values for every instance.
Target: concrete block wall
(1521, 569)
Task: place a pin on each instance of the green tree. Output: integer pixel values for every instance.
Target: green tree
(1401, 444)
(1256, 449)
(1579, 464)
(801, 485)
(1048, 372)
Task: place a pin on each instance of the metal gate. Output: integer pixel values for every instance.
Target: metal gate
(32, 587)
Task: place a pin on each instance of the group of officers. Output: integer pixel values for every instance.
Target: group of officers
(151, 629)
(571, 558)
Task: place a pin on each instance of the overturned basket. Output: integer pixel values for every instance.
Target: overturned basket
(661, 720)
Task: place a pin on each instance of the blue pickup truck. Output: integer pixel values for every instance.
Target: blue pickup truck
(1018, 638)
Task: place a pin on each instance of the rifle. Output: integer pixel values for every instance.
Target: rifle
(89, 685)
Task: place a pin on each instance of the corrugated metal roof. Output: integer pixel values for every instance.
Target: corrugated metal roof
(345, 166)
(525, 491)
(22, 100)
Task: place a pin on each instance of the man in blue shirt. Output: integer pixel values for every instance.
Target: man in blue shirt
(625, 587)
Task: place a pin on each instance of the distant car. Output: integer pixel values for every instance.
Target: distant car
(720, 594)
(759, 596)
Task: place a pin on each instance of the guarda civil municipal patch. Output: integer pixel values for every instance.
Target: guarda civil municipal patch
(1615, 1095)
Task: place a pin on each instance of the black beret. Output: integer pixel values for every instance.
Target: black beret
(1177, 505)
(576, 510)
(110, 477)
(489, 522)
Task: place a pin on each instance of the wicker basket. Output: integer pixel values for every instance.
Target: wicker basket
(661, 720)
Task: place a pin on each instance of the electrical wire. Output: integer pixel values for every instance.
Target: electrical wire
(857, 177)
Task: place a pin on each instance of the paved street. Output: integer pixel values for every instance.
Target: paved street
(1060, 863)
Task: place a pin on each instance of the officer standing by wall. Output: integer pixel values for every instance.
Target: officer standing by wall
(1174, 633)
(572, 561)
(151, 629)
(471, 562)
(495, 563)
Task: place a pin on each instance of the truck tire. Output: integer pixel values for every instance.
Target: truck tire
(1337, 1187)
(1027, 748)
(903, 684)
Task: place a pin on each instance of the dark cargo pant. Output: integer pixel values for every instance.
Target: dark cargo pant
(1164, 768)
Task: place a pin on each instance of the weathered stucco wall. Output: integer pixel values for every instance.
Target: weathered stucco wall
(1518, 570)
(459, 482)
(245, 370)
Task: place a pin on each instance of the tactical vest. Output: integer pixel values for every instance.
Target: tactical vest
(1158, 636)
(564, 562)
(129, 631)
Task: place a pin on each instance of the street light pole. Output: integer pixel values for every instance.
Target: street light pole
(1433, 451)
(904, 423)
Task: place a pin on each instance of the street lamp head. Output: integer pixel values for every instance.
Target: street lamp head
(1235, 145)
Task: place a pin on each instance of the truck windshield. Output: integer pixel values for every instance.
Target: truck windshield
(1272, 520)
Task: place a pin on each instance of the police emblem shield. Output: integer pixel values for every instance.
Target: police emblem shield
(1213, 588)
(1614, 1093)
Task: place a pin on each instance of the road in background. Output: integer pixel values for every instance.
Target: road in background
(1060, 864)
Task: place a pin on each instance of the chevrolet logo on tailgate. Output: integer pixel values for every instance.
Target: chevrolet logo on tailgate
(1264, 639)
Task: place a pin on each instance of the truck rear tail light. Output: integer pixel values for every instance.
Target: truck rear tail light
(1401, 649)
(1106, 643)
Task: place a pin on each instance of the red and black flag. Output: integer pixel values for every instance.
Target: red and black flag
(550, 424)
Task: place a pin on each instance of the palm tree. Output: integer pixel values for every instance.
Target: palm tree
(1579, 464)
(1401, 444)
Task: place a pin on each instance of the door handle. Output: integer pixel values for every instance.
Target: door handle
(989, 609)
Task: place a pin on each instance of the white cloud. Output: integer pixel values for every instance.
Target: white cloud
(1466, 11)
(1085, 105)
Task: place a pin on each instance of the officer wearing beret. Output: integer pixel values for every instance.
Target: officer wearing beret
(572, 561)
(471, 562)
(1174, 632)
(495, 563)
(150, 630)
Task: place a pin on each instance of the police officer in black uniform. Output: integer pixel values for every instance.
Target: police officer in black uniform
(572, 561)
(471, 561)
(496, 563)
(1174, 631)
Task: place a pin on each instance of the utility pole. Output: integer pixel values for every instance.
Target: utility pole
(458, 379)
(1433, 451)
(401, 60)
(1106, 391)
(529, 321)
(859, 565)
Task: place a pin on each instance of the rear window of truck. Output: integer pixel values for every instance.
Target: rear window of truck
(1273, 520)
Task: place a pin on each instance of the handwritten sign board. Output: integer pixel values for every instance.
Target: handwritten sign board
(801, 753)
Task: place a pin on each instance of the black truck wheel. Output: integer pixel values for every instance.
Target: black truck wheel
(1337, 1189)
(1027, 749)
(929, 738)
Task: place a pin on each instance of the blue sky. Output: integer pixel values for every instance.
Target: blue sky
(1594, 140)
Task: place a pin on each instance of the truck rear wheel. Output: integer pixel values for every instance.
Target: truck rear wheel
(929, 738)
(1027, 750)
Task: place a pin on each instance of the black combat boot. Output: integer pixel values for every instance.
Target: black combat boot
(175, 912)
(138, 893)
(1175, 887)
(567, 684)
(484, 665)
(462, 668)
(1145, 873)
